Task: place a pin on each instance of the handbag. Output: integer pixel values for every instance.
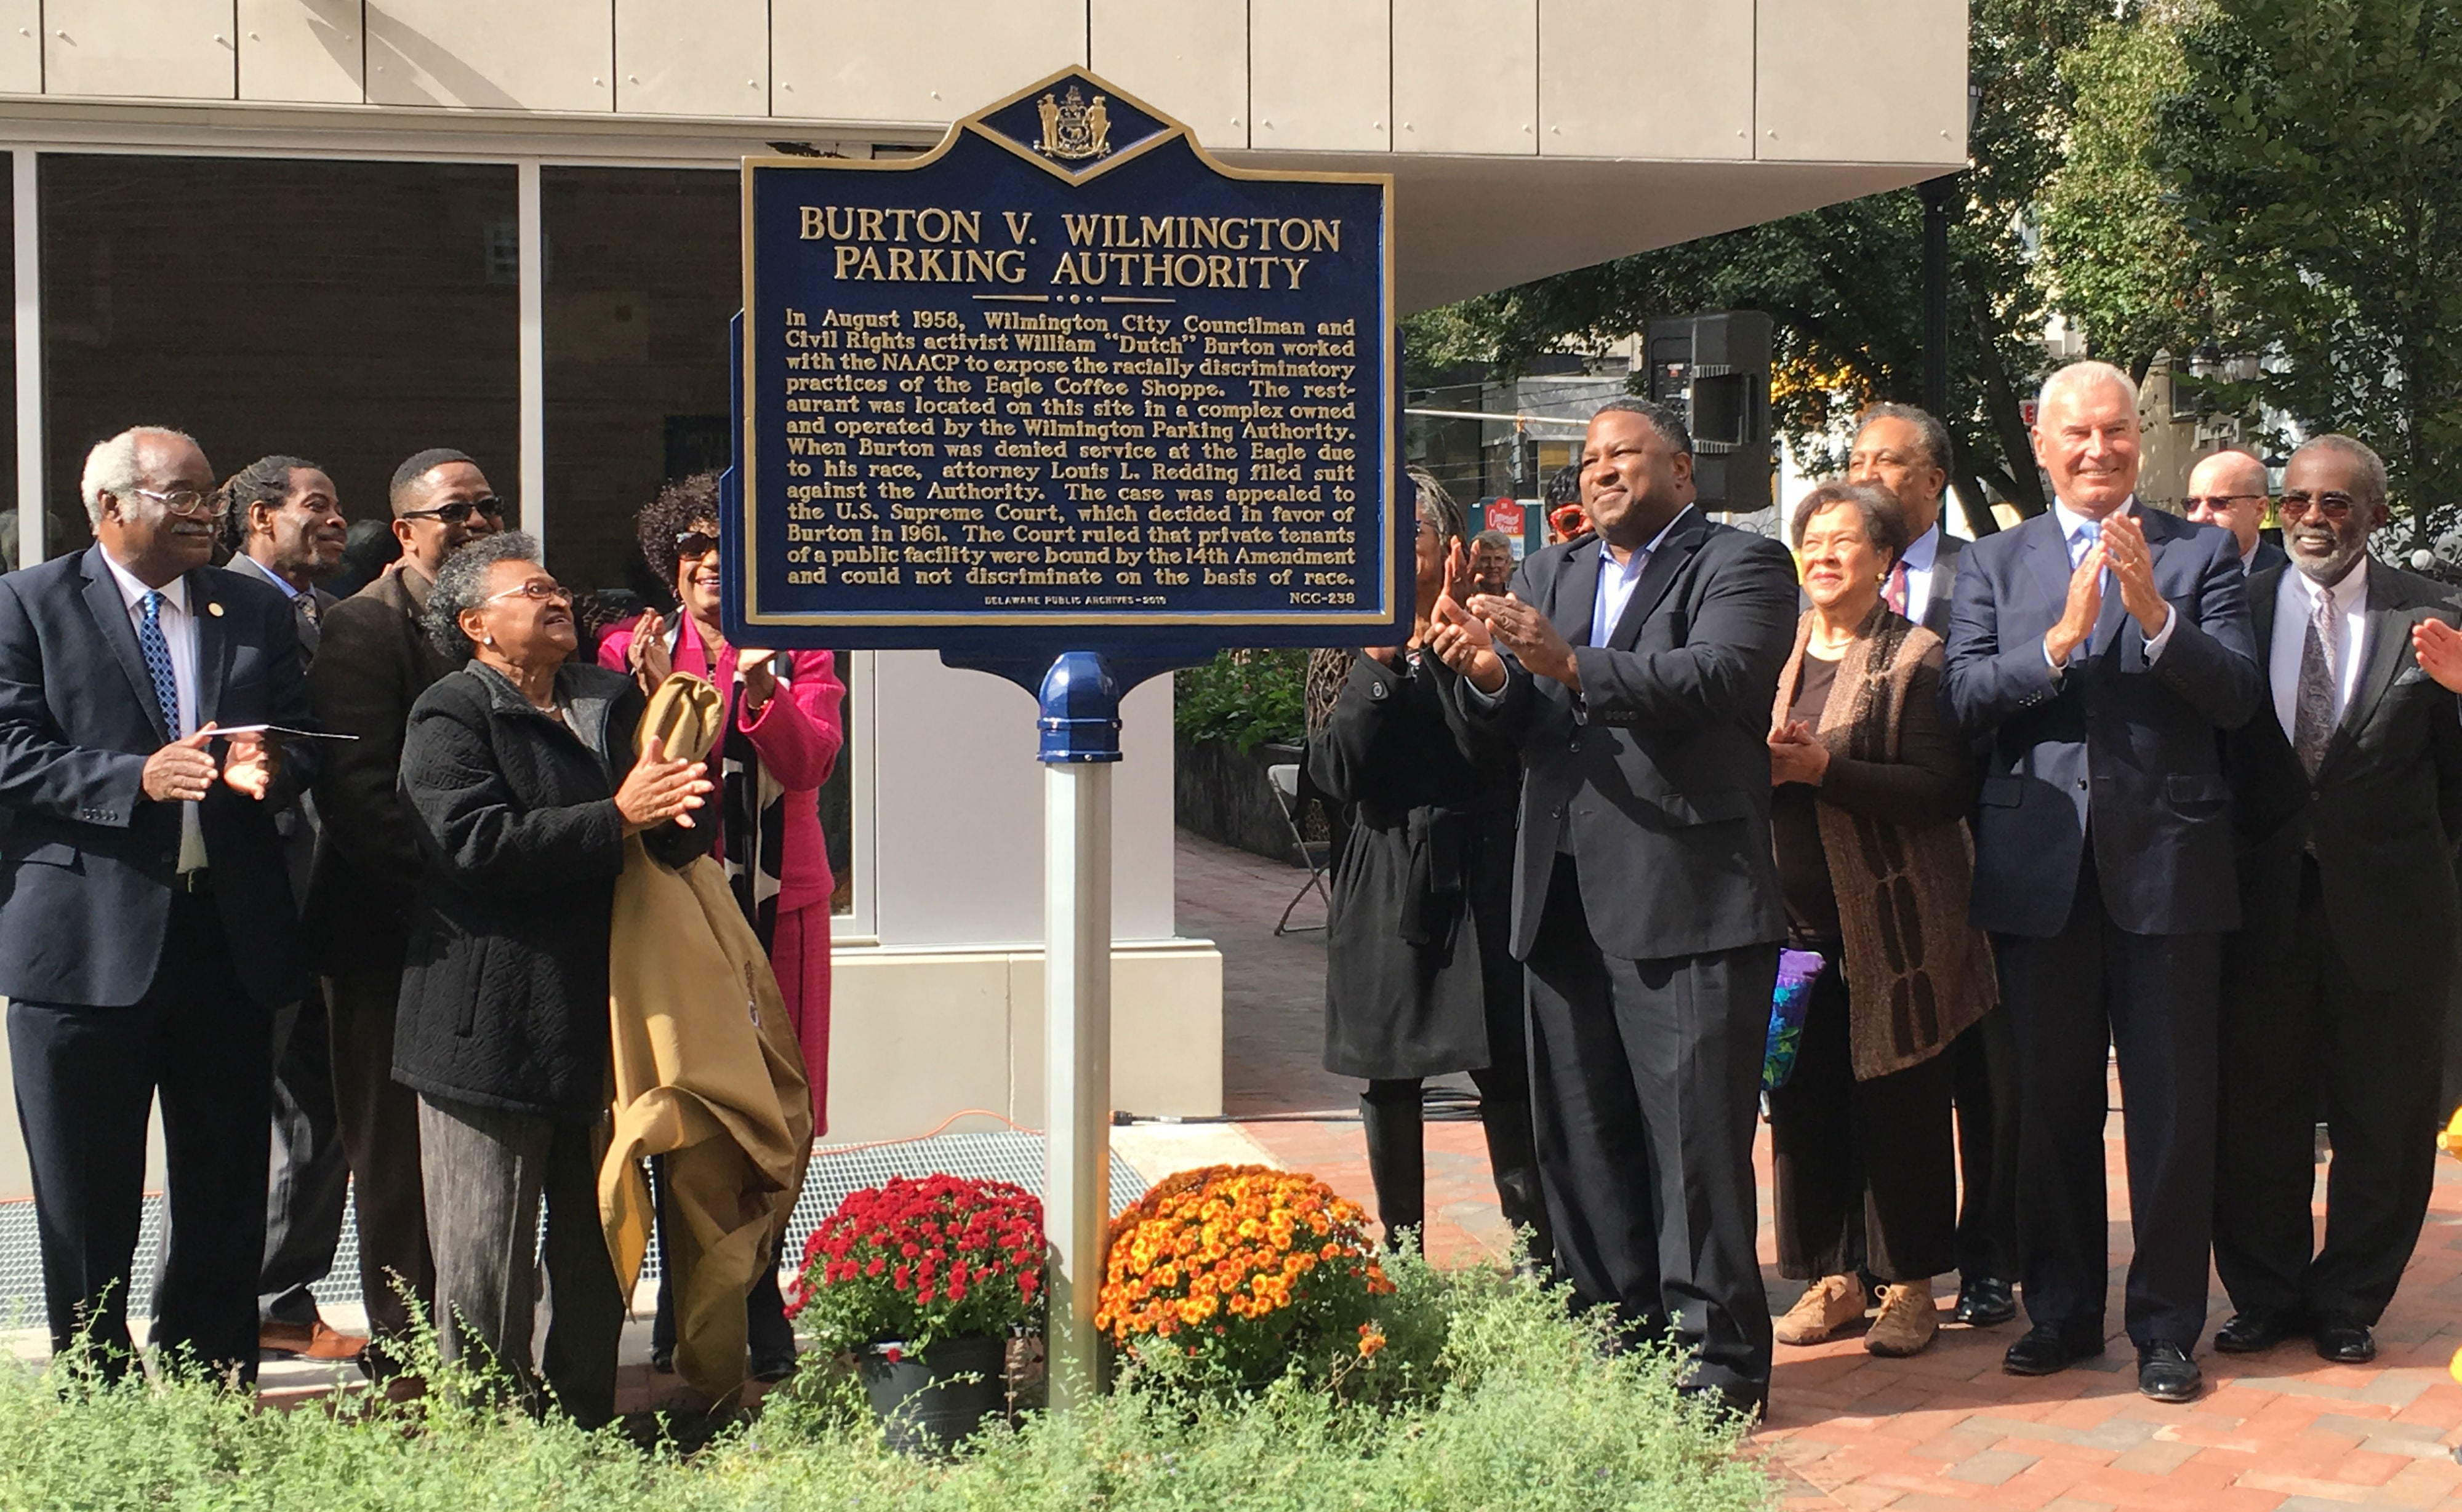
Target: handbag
(1797, 970)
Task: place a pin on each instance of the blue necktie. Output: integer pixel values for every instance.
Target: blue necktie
(2088, 532)
(158, 662)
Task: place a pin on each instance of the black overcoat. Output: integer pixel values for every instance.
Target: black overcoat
(1419, 978)
(504, 987)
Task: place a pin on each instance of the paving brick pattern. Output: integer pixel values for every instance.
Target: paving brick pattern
(1948, 1431)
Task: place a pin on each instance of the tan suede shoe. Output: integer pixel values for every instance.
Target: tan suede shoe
(1826, 1306)
(1907, 1320)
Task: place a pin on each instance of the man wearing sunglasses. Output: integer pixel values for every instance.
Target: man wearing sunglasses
(2229, 489)
(2347, 797)
(373, 661)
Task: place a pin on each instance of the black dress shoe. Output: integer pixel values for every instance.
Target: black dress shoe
(2166, 1373)
(773, 1368)
(2257, 1330)
(1739, 1403)
(1984, 1302)
(2345, 1340)
(2047, 1350)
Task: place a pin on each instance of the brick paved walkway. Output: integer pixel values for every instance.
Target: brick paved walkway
(1948, 1430)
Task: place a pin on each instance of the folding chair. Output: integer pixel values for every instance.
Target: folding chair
(1284, 779)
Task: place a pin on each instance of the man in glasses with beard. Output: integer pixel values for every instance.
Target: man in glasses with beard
(373, 661)
(2347, 796)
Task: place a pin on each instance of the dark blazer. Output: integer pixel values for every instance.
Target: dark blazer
(2383, 811)
(373, 661)
(504, 986)
(86, 859)
(2267, 558)
(1944, 585)
(2128, 752)
(1662, 776)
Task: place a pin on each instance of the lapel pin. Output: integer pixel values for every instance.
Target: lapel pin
(215, 610)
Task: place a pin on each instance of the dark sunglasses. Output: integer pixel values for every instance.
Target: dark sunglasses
(691, 546)
(458, 510)
(2333, 505)
(2219, 501)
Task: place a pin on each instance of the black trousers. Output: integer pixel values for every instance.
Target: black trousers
(380, 1129)
(1864, 1171)
(2152, 998)
(1984, 1066)
(1645, 1079)
(85, 1081)
(308, 1182)
(2298, 1026)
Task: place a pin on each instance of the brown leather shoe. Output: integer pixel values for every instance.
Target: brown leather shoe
(300, 1341)
(1826, 1306)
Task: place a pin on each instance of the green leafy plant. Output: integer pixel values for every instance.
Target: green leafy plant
(1490, 1395)
(1245, 697)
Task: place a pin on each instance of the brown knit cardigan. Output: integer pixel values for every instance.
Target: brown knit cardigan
(1890, 811)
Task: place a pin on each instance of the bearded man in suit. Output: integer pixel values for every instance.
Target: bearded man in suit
(2104, 651)
(2347, 797)
(1634, 669)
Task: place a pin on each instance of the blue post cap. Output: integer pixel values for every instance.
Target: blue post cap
(1080, 710)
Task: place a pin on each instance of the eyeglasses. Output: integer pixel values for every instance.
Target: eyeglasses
(538, 589)
(693, 545)
(187, 503)
(2332, 504)
(2216, 500)
(459, 511)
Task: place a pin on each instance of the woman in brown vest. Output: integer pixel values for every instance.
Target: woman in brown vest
(1871, 788)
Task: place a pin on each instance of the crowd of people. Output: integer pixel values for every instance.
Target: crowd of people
(333, 879)
(2109, 785)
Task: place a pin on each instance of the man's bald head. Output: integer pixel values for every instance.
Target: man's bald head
(2229, 488)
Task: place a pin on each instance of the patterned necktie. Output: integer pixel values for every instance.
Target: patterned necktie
(158, 661)
(1895, 595)
(304, 606)
(2312, 719)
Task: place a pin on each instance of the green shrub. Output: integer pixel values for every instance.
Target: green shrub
(1488, 1397)
(1245, 697)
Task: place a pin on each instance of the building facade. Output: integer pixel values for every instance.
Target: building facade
(353, 228)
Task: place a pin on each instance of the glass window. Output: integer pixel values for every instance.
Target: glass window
(351, 313)
(643, 274)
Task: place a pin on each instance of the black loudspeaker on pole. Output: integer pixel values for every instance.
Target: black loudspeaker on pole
(1714, 370)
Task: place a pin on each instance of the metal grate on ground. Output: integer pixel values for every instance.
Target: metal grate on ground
(1004, 1156)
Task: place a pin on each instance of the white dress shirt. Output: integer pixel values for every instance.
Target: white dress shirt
(2071, 523)
(1918, 558)
(2294, 599)
(1617, 580)
(180, 634)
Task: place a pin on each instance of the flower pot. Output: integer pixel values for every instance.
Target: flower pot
(930, 1402)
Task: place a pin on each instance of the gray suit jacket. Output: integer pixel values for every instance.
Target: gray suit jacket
(1944, 585)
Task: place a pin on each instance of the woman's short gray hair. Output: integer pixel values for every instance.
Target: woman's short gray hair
(1883, 525)
(462, 585)
(1439, 506)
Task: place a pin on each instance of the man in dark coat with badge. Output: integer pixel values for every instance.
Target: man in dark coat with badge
(1634, 670)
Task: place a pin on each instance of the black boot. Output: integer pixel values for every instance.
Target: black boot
(1397, 1160)
(1512, 1155)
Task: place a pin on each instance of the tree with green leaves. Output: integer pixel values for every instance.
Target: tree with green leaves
(1843, 284)
(2315, 147)
(2118, 258)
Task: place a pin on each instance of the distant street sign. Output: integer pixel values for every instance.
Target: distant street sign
(1068, 379)
(1504, 514)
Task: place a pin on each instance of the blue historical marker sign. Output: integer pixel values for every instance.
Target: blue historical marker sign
(1066, 380)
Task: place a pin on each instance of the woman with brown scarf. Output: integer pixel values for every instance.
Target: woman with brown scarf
(1871, 786)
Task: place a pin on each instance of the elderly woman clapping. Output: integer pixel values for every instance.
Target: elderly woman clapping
(1871, 784)
(521, 772)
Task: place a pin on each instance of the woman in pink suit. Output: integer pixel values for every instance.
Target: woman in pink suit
(783, 735)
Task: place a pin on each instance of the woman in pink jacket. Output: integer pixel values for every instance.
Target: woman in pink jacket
(784, 730)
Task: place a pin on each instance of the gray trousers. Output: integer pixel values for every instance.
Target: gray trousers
(486, 1171)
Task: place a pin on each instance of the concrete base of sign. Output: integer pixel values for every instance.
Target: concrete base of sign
(917, 1035)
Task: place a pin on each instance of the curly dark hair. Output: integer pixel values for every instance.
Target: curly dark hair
(678, 506)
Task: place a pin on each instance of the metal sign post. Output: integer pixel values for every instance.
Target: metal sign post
(1080, 740)
(1069, 401)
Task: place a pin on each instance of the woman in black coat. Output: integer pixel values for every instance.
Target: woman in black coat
(1420, 980)
(521, 772)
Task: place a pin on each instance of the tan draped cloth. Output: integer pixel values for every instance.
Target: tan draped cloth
(707, 1072)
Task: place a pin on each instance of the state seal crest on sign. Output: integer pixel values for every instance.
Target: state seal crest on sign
(1074, 128)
